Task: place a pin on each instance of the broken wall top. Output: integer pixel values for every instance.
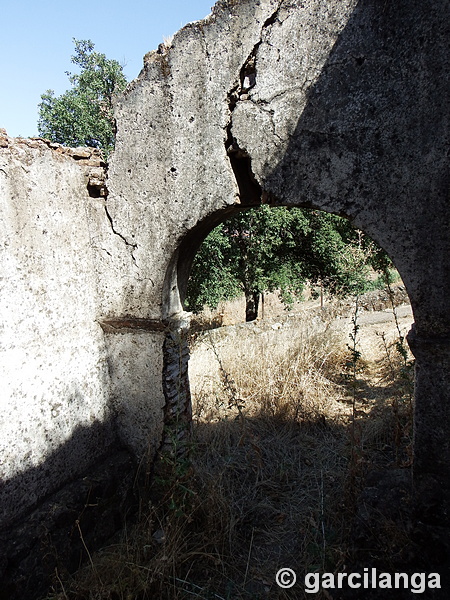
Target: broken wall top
(334, 105)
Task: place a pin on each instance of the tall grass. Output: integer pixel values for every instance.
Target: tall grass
(270, 482)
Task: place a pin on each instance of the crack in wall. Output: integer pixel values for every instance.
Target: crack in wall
(123, 238)
(250, 190)
(176, 389)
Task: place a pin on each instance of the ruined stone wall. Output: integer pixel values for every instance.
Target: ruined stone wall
(338, 105)
(60, 446)
(56, 416)
(73, 384)
(341, 106)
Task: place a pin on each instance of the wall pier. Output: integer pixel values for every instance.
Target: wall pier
(431, 472)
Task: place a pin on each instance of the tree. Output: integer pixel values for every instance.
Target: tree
(251, 253)
(268, 249)
(212, 277)
(334, 255)
(83, 115)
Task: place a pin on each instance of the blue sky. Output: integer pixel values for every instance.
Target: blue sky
(36, 44)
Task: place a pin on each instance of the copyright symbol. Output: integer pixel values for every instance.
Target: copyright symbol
(286, 578)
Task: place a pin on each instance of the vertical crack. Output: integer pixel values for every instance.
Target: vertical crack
(250, 191)
(123, 238)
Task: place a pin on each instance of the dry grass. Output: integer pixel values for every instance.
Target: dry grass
(289, 374)
(282, 440)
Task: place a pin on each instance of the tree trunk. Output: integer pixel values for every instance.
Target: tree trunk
(251, 305)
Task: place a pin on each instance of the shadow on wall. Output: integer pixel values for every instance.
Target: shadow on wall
(87, 510)
(371, 145)
(371, 142)
(27, 487)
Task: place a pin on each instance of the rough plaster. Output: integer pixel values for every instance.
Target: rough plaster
(341, 106)
(53, 362)
(136, 366)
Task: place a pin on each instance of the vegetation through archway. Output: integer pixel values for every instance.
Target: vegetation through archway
(281, 249)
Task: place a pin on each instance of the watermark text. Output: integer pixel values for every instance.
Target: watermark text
(417, 583)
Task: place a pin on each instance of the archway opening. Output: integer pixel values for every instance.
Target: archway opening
(286, 251)
(293, 409)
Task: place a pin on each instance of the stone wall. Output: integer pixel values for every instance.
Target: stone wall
(340, 106)
(57, 395)
(76, 386)
(337, 105)
(54, 368)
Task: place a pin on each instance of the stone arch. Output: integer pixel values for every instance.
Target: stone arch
(175, 283)
(342, 104)
(176, 385)
(177, 275)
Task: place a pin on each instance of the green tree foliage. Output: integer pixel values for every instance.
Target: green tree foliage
(249, 253)
(213, 277)
(334, 255)
(83, 115)
(268, 249)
